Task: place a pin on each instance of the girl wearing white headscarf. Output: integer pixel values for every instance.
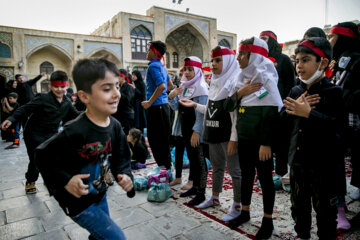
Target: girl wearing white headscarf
(194, 87)
(256, 121)
(219, 129)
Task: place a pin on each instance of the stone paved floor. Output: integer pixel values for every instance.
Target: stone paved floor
(38, 216)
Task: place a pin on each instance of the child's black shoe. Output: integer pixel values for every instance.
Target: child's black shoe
(199, 198)
(266, 229)
(190, 192)
(242, 218)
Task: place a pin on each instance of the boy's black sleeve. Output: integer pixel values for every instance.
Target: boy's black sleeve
(288, 75)
(33, 81)
(72, 113)
(27, 109)
(231, 103)
(121, 158)
(52, 162)
(270, 116)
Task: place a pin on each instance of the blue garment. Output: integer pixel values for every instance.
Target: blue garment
(199, 122)
(97, 221)
(156, 75)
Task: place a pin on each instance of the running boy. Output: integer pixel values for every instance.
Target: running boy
(91, 146)
(46, 111)
(314, 140)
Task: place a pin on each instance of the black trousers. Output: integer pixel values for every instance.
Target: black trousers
(249, 161)
(32, 142)
(179, 155)
(316, 185)
(158, 133)
(352, 141)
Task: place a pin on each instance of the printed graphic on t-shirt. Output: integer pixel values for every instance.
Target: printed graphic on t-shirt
(98, 158)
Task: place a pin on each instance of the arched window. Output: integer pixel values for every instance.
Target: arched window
(45, 86)
(5, 51)
(167, 60)
(46, 67)
(224, 43)
(175, 60)
(140, 37)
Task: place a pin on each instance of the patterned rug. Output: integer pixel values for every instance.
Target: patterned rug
(283, 222)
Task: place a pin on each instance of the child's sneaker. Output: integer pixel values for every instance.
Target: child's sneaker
(12, 146)
(30, 188)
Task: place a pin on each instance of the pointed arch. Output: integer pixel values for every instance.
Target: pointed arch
(224, 43)
(106, 53)
(140, 36)
(49, 45)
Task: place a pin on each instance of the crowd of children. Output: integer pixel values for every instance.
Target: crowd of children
(303, 111)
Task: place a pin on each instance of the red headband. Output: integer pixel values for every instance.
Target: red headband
(254, 49)
(59, 83)
(221, 52)
(343, 31)
(190, 63)
(158, 53)
(268, 34)
(181, 69)
(126, 77)
(312, 46)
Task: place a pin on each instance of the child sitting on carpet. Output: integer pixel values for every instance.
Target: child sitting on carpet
(256, 119)
(138, 148)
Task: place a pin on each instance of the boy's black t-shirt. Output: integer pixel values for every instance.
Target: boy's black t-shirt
(14, 106)
(83, 148)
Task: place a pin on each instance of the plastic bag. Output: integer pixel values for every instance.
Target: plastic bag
(162, 177)
(140, 183)
(159, 192)
(276, 180)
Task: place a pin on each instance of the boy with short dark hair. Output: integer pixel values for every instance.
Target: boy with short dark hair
(9, 106)
(156, 105)
(45, 113)
(91, 145)
(315, 113)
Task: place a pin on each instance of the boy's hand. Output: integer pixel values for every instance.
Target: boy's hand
(311, 99)
(76, 187)
(6, 124)
(264, 153)
(231, 148)
(146, 104)
(195, 139)
(187, 103)
(299, 107)
(125, 182)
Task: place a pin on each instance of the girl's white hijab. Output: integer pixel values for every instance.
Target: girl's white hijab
(222, 84)
(196, 86)
(260, 69)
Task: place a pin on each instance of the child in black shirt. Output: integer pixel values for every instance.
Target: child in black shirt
(138, 148)
(314, 143)
(91, 146)
(9, 106)
(45, 113)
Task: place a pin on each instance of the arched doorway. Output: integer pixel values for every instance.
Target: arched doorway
(48, 59)
(185, 41)
(103, 53)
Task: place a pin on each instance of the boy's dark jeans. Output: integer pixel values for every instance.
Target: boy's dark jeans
(316, 185)
(15, 134)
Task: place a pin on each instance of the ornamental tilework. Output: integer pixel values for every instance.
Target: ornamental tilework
(92, 47)
(6, 38)
(8, 72)
(66, 45)
(227, 38)
(149, 25)
(172, 21)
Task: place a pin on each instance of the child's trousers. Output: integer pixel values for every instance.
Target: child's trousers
(316, 185)
(97, 221)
